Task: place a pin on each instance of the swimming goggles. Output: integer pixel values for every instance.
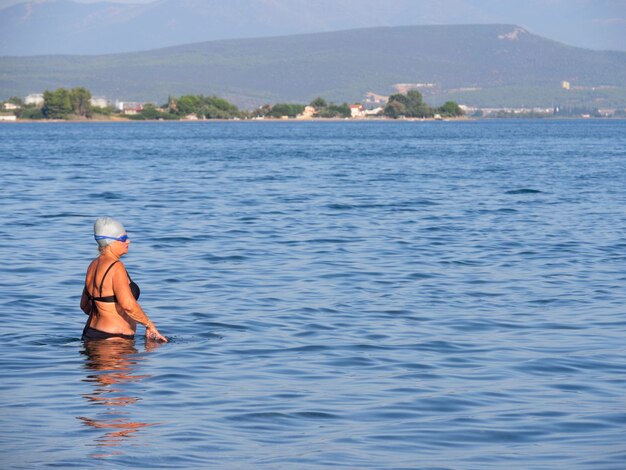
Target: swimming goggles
(123, 238)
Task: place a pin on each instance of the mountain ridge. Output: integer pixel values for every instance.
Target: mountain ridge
(67, 27)
(459, 61)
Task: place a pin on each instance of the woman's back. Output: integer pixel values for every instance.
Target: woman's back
(109, 295)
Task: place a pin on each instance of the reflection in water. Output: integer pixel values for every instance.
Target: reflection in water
(113, 363)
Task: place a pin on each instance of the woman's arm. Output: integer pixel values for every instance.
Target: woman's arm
(85, 303)
(125, 299)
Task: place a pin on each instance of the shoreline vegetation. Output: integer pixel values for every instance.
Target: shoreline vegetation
(463, 118)
(77, 105)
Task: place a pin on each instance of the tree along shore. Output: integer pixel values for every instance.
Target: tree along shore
(76, 104)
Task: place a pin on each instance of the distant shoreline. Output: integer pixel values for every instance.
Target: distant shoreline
(373, 119)
(347, 120)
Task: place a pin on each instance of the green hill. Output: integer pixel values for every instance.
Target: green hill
(486, 65)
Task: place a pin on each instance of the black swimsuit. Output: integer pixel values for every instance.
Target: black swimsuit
(93, 333)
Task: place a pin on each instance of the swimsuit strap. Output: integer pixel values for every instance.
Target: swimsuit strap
(105, 275)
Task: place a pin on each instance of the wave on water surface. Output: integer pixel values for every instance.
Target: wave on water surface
(524, 191)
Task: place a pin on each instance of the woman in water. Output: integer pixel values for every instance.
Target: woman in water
(110, 296)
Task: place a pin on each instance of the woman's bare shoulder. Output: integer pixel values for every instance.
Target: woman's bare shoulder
(91, 265)
(118, 267)
(105, 265)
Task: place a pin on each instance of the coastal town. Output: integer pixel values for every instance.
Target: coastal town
(406, 104)
(79, 104)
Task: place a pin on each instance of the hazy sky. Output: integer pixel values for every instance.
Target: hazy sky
(6, 3)
(596, 24)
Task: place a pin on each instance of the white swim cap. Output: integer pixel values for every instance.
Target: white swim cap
(107, 227)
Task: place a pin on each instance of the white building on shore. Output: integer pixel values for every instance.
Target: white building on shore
(308, 113)
(99, 102)
(34, 98)
(129, 108)
(357, 111)
(374, 111)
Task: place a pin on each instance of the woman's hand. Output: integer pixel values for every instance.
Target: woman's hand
(153, 334)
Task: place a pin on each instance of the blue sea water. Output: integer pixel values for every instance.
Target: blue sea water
(338, 295)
